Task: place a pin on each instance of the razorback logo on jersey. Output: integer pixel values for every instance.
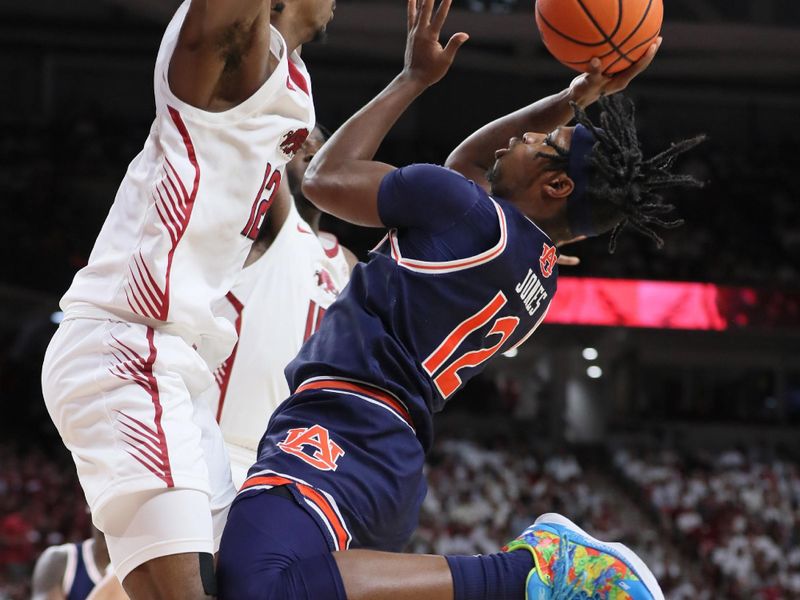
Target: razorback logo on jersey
(548, 260)
(326, 451)
(325, 281)
(293, 141)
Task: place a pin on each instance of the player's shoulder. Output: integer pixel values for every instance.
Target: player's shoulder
(429, 181)
(51, 566)
(428, 172)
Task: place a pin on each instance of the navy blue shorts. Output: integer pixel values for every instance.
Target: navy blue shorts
(349, 455)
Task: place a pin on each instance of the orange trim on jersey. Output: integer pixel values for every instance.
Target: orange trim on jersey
(341, 535)
(425, 266)
(373, 393)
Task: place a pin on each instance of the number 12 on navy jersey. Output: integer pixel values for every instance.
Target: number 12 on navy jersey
(448, 381)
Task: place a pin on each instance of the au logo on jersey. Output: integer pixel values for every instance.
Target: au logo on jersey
(326, 451)
(548, 260)
(293, 141)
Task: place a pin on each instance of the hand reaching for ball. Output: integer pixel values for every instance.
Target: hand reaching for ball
(587, 87)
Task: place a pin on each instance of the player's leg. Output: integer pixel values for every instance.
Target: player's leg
(271, 543)
(273, 549)
(166, 577)
(121, 397)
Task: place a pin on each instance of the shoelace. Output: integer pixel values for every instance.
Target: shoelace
(562, 588)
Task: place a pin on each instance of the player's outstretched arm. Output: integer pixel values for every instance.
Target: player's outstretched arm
(475, 155)
(343, 179)
(48, 575)
(222, 55)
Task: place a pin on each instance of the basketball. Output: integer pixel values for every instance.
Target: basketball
(618, 32)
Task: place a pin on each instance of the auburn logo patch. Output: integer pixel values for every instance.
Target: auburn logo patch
(293, 141)
(548, 260)
(301, 441)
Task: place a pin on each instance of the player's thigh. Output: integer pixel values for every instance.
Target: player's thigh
(121, 397)
(266, 546)
(365, 462)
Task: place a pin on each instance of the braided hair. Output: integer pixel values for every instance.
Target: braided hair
(624, 187)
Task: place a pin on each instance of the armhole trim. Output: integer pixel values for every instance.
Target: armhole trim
(450, 266)
(69, 571)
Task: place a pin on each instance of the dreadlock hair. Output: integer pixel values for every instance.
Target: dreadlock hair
(624, 187)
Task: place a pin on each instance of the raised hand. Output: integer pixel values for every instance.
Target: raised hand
(588, 87)
(426, 60)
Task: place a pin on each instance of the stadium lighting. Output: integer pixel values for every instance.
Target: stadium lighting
(590, 353)
(57, 317)
(594, 372)
(511, 353)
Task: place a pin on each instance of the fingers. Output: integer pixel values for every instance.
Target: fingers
(441, 15)
(623, 78)
(454, 44)
(425, 12)
(568, 261)
(412, 13)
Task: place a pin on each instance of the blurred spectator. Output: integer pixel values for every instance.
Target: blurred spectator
(736, 511)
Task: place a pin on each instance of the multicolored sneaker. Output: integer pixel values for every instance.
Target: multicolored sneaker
(572, 565)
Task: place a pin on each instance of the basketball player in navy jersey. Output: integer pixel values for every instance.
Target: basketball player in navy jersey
(467, 270)
(70, 571)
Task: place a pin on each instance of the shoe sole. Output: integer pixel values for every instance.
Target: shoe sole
(641, 569)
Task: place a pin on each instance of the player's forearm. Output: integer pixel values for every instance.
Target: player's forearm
(542, 117)
(361, 136)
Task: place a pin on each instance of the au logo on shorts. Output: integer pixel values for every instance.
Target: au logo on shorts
(326, 451)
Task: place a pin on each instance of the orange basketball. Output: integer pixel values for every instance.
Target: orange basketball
(618, 32)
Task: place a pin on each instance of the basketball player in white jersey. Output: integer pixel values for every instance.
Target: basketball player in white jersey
(121, 375)
(293, 274)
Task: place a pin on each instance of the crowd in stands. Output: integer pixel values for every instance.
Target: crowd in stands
(712, 526)
(736, 512)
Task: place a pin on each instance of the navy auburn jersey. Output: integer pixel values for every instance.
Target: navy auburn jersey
(460, 277)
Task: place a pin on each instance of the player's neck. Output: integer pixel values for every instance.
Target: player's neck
(292, 35)
(554, 224)
(309, 214)
(555, 227)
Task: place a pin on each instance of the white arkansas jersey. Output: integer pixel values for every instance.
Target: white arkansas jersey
(191, 204)
(276, 304)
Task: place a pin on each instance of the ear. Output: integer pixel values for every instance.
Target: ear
(558, 186)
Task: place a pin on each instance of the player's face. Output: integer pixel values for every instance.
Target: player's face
(296, 169)
(526, 160)
(318, 13)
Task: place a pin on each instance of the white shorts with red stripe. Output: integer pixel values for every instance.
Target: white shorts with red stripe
(149, 456)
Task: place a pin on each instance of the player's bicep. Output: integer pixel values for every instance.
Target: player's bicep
(221, 39)
(350, 192)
